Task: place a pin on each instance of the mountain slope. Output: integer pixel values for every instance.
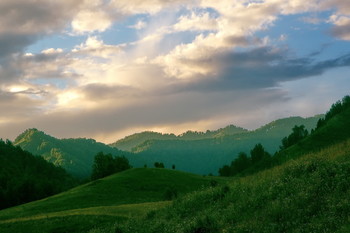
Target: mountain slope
(74, 155)
(129, 193)
(310, 194)
(196, 152)
(333, 131)
(208, 155)
(24, 177)
(134, 140)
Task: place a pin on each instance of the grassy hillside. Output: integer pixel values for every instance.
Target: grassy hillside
(130, 193)
(208, 155)
(310, 194)
(74, 155)
(335, 130)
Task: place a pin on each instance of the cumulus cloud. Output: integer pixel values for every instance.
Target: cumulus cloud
(139, 25)
(341, 27)
(196, 22)
(25, 21)
(96, 47)
(204, 63)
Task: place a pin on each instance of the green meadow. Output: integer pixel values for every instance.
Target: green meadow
(125, 195)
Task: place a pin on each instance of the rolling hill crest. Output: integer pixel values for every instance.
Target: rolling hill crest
(74, 155)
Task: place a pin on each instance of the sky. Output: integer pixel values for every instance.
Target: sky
(105, 69)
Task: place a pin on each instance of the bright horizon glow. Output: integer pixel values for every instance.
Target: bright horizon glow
(106, 69)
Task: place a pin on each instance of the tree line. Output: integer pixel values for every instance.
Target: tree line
(25, 177)
(259, 158)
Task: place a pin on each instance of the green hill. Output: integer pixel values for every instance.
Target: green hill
(126, 194)
(310, 194)
(206, 156)
(307, 192)
(336, 129)
(74, 155)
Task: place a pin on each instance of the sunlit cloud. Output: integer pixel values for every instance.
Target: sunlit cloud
(106, 68)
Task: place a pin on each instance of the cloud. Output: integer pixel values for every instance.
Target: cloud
(145, 6)
(96, 47)
(196, 22)
(139, 25)
(341, 27)
(90, 20)
(196, 63)
(147, 112)
(25, 21)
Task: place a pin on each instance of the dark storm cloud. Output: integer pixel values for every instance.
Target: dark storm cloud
(255, 69)
(12, 43)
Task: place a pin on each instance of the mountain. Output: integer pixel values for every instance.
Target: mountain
(210, 151)
(132, 141)
(25, 177)
(115, 198)
(74, 155)
(308, 191)
(196, 152)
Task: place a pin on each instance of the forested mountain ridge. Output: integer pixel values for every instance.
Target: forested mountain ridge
(205, 156)
(74, 155)
(196, 152)
(134, 140)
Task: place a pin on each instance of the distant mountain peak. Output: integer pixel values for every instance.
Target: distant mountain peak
(27, 135)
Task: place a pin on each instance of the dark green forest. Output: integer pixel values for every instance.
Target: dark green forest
(107, 164)
(74, 155)
(25, 178)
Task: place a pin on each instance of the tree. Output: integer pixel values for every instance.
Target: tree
(105, 165)
(241, 163)
(225, 171)
(158, 165)
(299, 133)
(258, 153)
(335, 109)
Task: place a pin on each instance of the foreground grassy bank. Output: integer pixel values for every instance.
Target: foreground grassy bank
(101, 203)
(310, 194)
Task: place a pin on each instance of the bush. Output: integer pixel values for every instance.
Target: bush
(170, 194)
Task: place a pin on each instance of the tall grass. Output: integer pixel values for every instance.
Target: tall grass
(310, 194)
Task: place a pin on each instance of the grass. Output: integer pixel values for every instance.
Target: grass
(309, 194)
(306, 194)
(100, 203)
